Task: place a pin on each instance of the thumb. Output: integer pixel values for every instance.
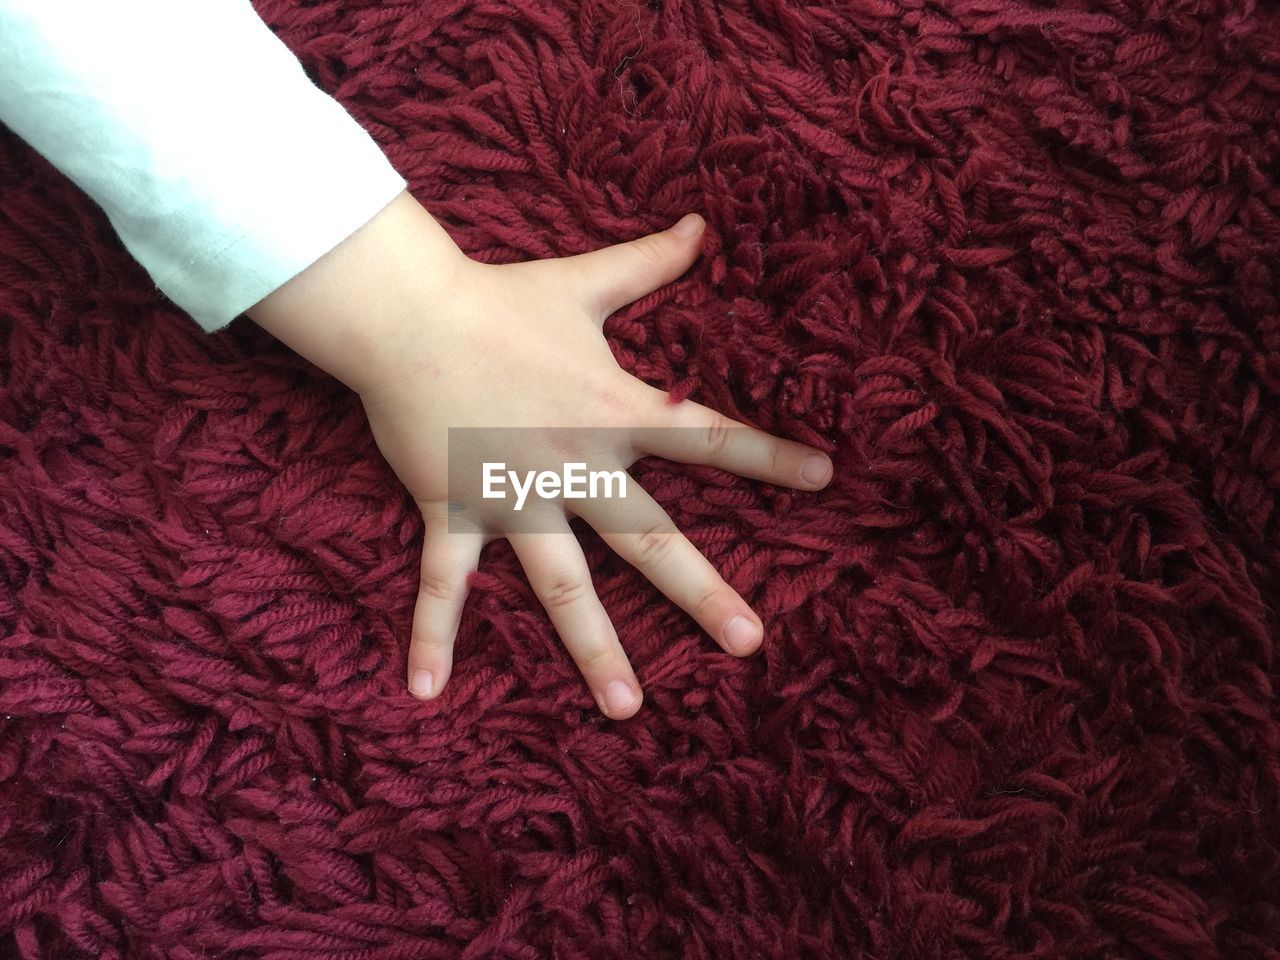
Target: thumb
(617, 275)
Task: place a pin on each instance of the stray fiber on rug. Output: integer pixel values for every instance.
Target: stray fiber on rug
(1015, 264)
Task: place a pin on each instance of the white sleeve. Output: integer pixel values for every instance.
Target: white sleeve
(222, 167)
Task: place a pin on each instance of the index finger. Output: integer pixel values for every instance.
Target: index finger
(692, 433)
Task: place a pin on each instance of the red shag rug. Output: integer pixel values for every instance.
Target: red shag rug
(1017, 265)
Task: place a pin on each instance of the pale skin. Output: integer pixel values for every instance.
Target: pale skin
(431, 339)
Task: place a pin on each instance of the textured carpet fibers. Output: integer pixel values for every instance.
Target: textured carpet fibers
(1015, 265)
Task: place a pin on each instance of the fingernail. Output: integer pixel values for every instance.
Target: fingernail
(815, 470)
(618, 697)
(739, 634)
(690, 225)
(421, 683)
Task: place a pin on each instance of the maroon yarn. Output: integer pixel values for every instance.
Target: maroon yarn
(1016, 265)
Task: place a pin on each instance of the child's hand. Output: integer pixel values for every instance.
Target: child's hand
(520, 345)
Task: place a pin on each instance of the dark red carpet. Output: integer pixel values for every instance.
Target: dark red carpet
(1016, 265)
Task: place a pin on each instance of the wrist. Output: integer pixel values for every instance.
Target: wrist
(348, 310)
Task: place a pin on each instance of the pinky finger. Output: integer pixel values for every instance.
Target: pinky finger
(448, 558)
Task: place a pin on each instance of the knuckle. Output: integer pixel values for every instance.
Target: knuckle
(596, 657)
(718, 435)
(776, 457)
(563, 590)
(431, 643)
(654, 544)
(706, 601)
(650, 248)
(436, 586)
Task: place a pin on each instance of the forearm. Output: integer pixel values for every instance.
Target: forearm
(341, 313)
(223, 183)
